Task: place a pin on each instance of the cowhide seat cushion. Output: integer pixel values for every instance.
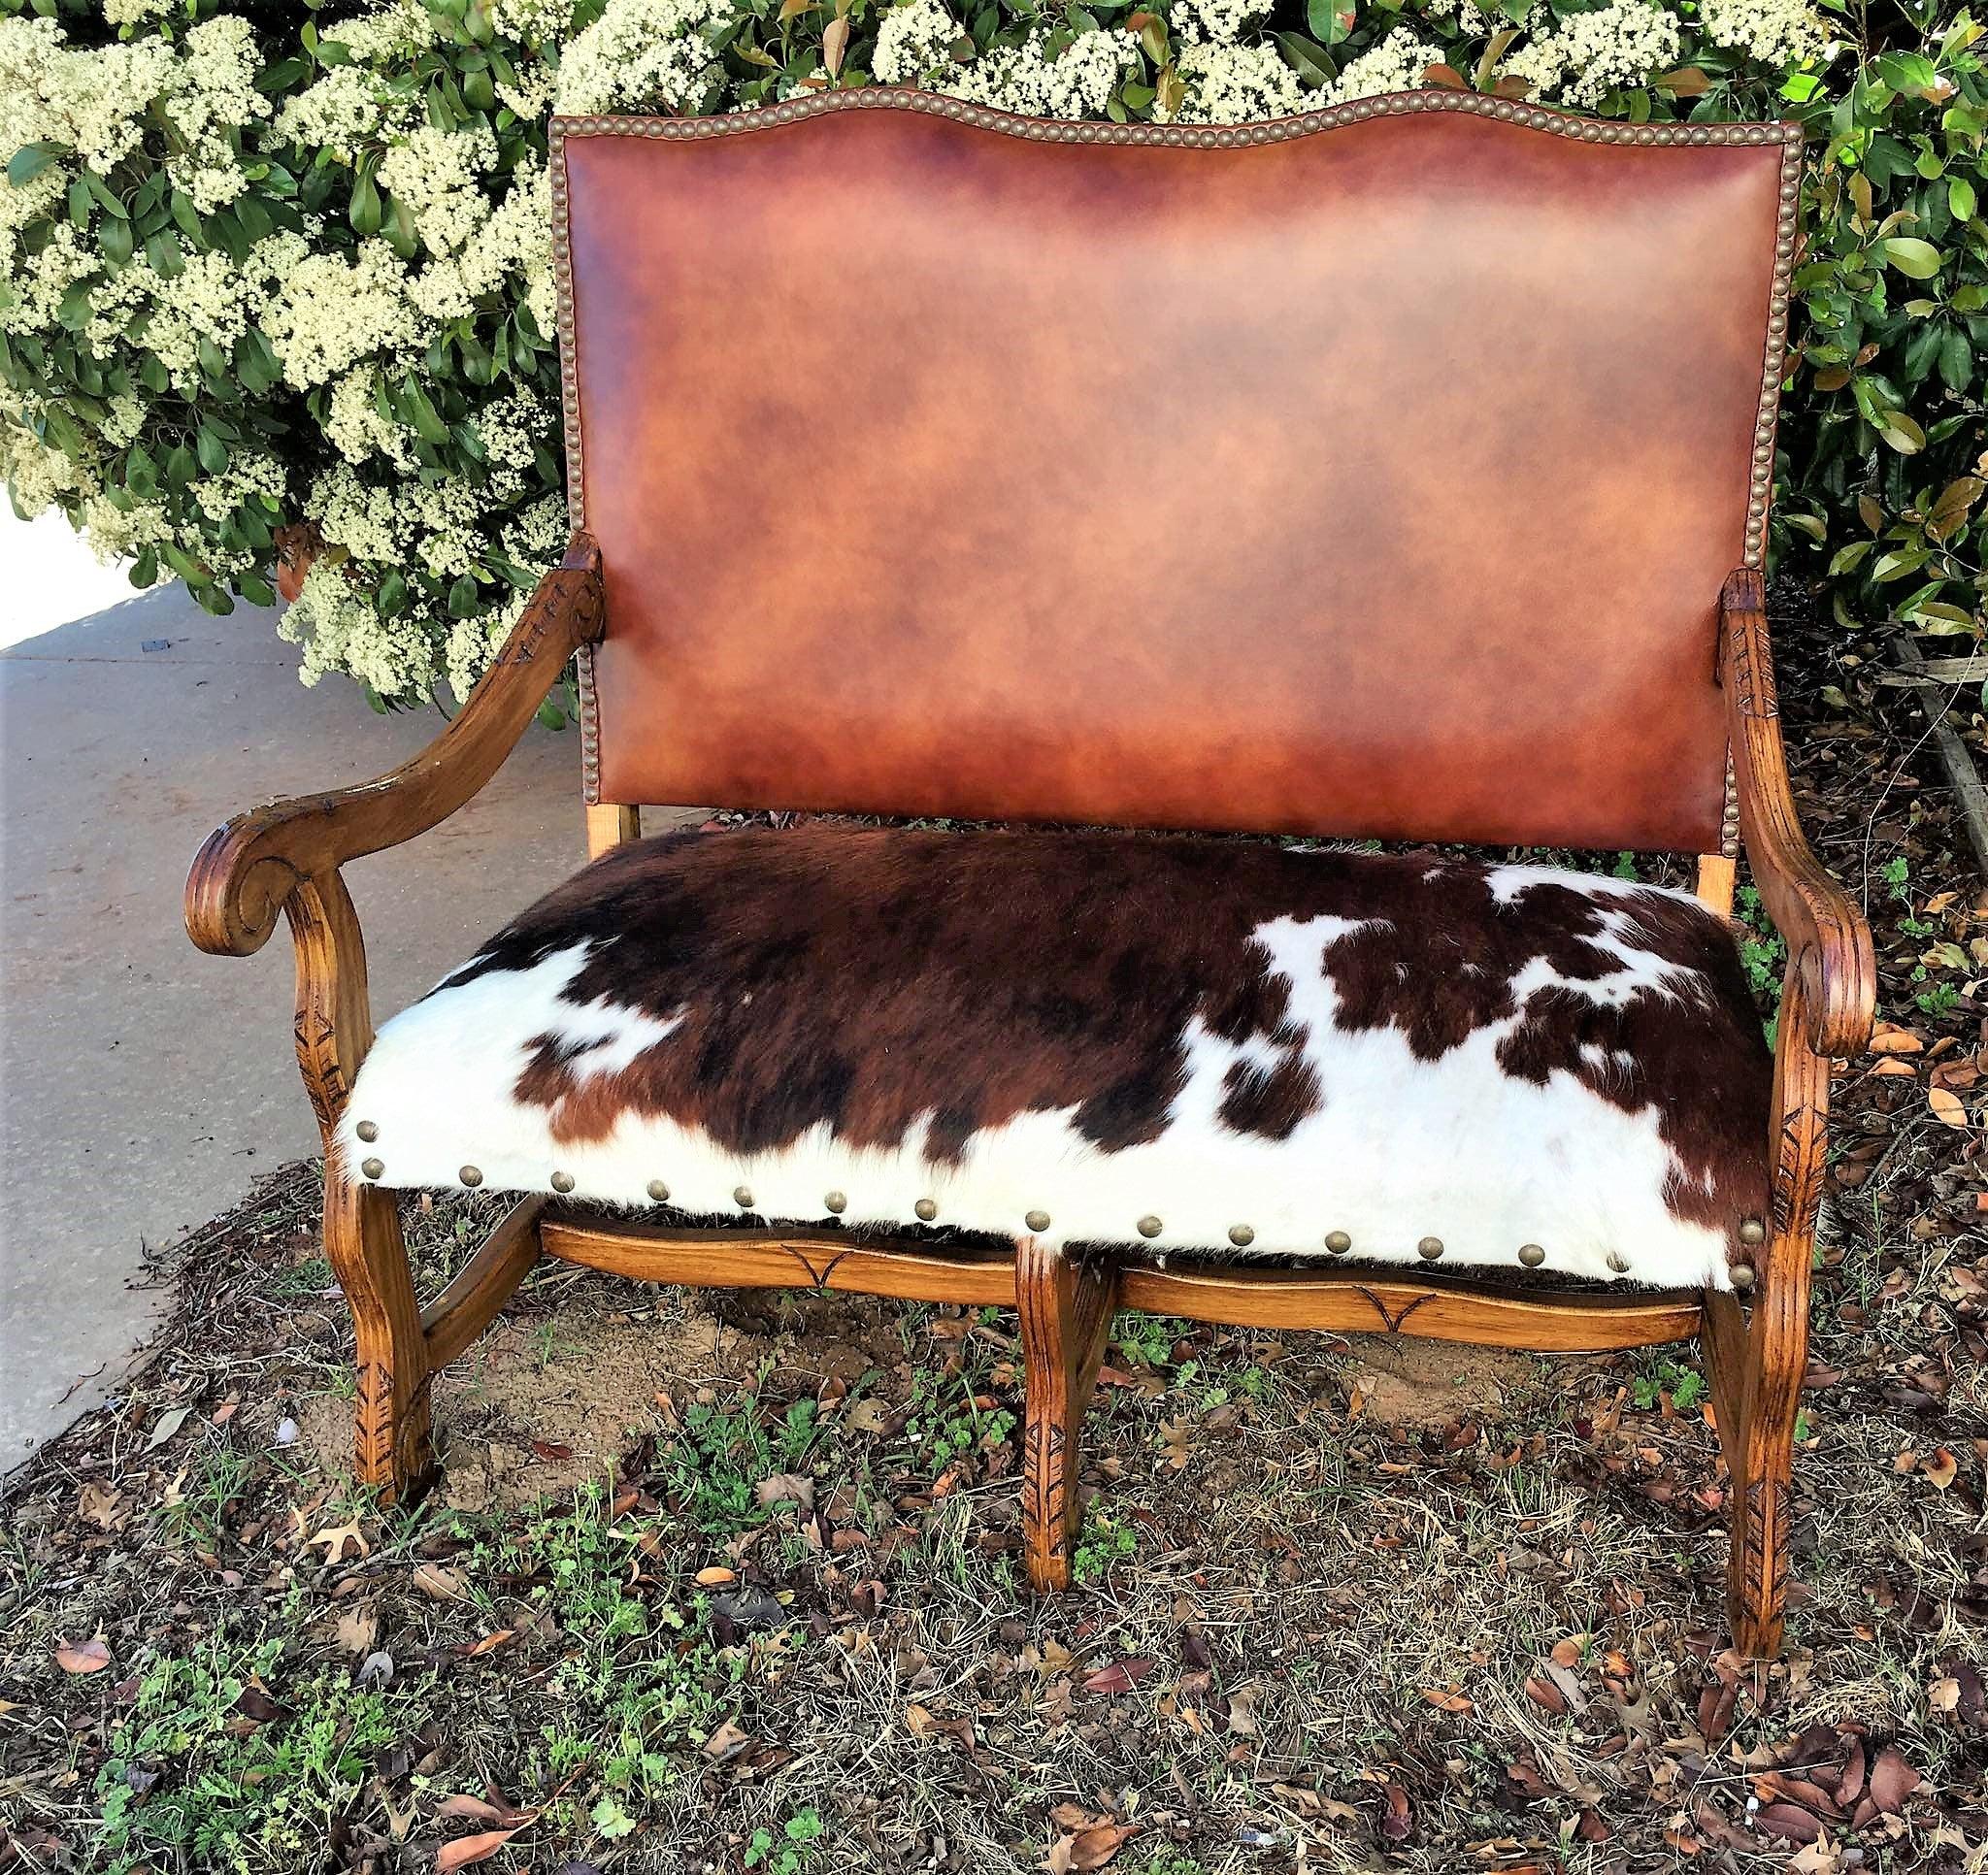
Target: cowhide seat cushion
(1175, 1043)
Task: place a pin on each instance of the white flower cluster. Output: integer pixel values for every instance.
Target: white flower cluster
(1774, 32)
(98, 103)
(640, 53)
(439, 174)
(1076, 83)
(1213, 22)
(913, 42)
(1589, 54)
(1236, 84)
(1396, 64)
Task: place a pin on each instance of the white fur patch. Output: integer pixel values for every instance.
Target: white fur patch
(1400, 1149)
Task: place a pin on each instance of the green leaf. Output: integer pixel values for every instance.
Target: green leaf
(1916, 259)
(1960, 199)
(1330, 20)
(422, 413)
(1309, 61)
(210, 449)
(163, 252)
(31, 159)
(462, 597)
(145, 570)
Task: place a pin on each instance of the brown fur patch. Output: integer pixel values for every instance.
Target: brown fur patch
(866, 978)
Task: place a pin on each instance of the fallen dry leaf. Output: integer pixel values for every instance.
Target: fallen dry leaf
(1121, 1676)
(1447, 1698)
(465, 1849)
(334, 1539)
(357, 1630)
(785, 1488)
(97, 1503)
(1093, 1847)
(1947, 1108)
(437, 1582)
(1939, 1471)
(83, 1657)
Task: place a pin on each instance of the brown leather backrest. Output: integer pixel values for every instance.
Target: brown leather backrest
(1372, 473)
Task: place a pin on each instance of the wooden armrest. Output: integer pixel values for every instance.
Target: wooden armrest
(1829, 941)
(247, 869)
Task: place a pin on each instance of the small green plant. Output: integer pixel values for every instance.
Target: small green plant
(1760, 948)
(193, 1786)
(793, 1849)
(1102, 1543)
(946, 1419)
(1685, 1385)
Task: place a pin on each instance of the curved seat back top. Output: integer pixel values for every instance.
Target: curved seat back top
(1369, 473)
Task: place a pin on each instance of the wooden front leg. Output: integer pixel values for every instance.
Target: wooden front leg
(1757, 1361)
(362, 1237)
(1066, 1320)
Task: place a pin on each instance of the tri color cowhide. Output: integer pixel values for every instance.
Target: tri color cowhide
(1172, 1043)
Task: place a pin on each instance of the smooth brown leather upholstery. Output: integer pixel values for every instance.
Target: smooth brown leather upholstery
(1380, 482)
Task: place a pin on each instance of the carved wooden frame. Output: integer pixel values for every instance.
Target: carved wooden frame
(285, 859)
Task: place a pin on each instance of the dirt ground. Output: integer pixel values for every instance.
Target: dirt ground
(732, 1584)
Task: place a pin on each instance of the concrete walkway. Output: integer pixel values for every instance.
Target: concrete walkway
(142, 1084)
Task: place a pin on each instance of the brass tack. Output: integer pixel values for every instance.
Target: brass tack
(1430, 1248)
(1242, 1235)
(657, 1190)
(1742, 1276)
(471, 1177)
(1338, 1242)
(1037, 1220)
(1753, 1231)
(367, 1131)
(1150, 1227)
(926, 1208)
(837, 1201)
(1532, 1254)
(742, 1197)
(562, 1181)
(1618, 1262)
(372, 1168)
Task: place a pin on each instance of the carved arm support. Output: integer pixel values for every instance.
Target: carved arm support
(247, 871)
(1829, 943)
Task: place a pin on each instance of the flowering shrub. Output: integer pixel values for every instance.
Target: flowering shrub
(266, 274)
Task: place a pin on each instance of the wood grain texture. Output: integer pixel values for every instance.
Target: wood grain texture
(1348, 1301)
(609, 827)
(1066, 1308)
(284, 858)
(1715, 881)
(247, 869)
(481, 1288)
(784, 1259)
(1366, 1301)
(1827, 936)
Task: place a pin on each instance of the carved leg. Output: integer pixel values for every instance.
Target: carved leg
(391, 1449)
(361, 1227)
(1066, 1319)
(1762, 1366)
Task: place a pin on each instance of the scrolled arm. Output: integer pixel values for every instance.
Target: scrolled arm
(247, 871)
(1829, 941)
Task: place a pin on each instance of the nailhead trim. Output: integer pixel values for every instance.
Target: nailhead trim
(887, 97)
